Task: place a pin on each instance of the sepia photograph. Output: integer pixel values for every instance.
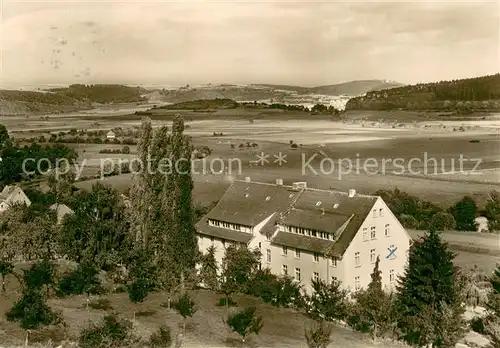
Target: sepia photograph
(249, 173)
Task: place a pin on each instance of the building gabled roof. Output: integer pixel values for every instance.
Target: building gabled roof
(8, 192)
(293, 240)
(250, 203)
(203, 228)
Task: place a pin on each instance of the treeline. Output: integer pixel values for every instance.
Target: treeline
(37, 97)
(224, 103)
(461, 96)
(415, 213)
(102, 93)
(14, 168)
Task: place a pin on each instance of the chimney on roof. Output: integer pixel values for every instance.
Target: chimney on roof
(279, 182)
(352, 192)
(247, 179)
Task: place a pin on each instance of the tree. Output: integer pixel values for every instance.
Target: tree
(492, 324)
(245, 322)
(186, 307)
(83, 280)
(238, 265)
(167, 227)
(430, 295)
(442, 221)
(97, 232)
(143, 276)
(31, 310)
(4, 135)
(318, 335)
(328, 301)
(464, 212)
(209, 268)
(6, 268)
(373, 310)
(40, 274)
(492, 211)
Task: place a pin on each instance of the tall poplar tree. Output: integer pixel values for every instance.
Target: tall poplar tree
(161, 201)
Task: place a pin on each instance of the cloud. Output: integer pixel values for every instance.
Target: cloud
(279, 42)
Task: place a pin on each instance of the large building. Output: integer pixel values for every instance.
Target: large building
(309, 233)
(11, 195)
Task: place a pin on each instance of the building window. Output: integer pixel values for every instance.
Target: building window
(365, 234)
(268, 254)
(357, 259)
(374, 213)
(357, 285)
(334, 261)
(297, 253)
(284, 269)
(380, 212)
(315, 276)
(372, 256)
(391, 276)
(316, 257)
(297, 274)
(313, 233)
(284, 251)
(373, 233)
(387, 230)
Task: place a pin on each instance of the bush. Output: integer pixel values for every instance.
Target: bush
(84, 279)
(32, 311)
(245, 322)
(126, 150)
(477, 325)
(161, 338)
(318, 335)
(110, 332)
(328, 301)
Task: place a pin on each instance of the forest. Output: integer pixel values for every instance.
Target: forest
(459, 96)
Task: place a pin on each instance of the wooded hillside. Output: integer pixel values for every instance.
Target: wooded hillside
(462, 96)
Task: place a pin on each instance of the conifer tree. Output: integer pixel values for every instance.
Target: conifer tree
(208, 271)
(429, 299)
(373, 309)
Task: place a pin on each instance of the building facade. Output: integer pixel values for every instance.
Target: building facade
(309, 233)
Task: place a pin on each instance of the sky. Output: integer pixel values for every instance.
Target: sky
(192, 42)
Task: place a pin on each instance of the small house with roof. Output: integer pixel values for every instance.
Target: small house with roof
(11, 195)
(61, 211)
(110, 135)
(309, 233)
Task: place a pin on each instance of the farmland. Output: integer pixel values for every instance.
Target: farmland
(343, 147)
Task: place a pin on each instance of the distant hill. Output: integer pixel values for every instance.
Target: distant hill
(67, 99)
(461, 96)
(352, 88)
